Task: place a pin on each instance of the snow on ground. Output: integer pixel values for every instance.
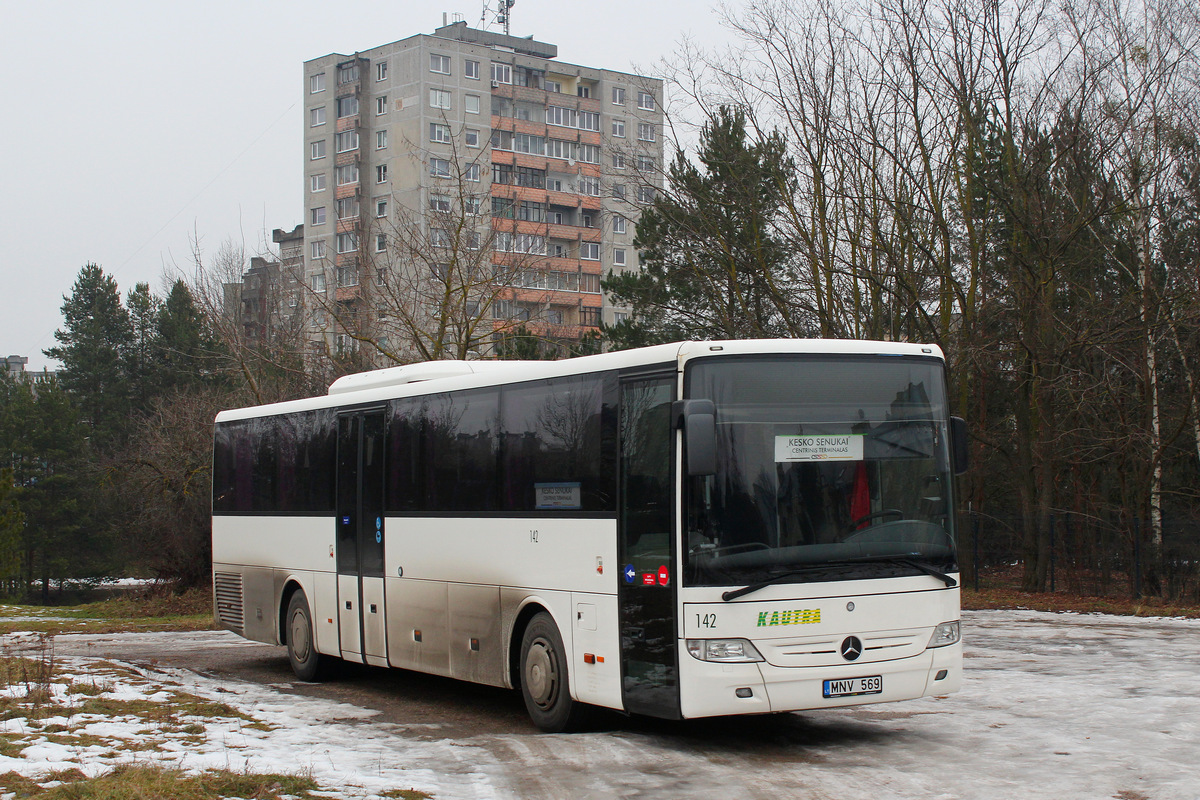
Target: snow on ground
(1054, 706)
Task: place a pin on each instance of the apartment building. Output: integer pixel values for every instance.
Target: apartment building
(550, 160)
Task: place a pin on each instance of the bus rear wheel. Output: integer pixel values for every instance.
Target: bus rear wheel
(307, 663)
(544, 678)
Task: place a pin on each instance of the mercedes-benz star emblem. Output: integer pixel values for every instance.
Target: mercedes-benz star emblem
(851, 648)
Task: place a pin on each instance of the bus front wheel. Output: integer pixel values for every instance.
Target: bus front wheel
(307, 663)
(544, 683)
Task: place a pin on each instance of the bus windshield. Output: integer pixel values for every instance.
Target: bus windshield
(828, 468)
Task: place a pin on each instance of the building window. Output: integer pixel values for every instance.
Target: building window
(590, 284)
(316, 183)
(589, 153)
(645, 101)
(645, 132)
(347, 107)
(381, 275)
(618, 96)
(317, 249)
(589, 317)
(380, 140)
(316, 83)
(347, 242)
(439, 64)
(583, 91)
(501, 73)
(439, 202)
(381, 173)
(565, 117)
(347, 207)
(619, 191)
(473, 173)
(471, 104)
(439, 132)
(589, 186)
(528, 143)
(618, 128)
(318, 149)
(589, 251)
(472, 206)
(618, 161)
(439, 98)
(438, 237)
(645, 163)
(317, 116)
(380, 242)
(346, 276)
(553, 86)
(439, 168)
(381, 206)
(471, 69)
(645, 194)
(318, 280)
(347, 73)
(318, 216)
(618, 256)
(346, 141)
(618, 224)
(589, 121)
(532, 212)
(381, 71)
(471, 137)
(381, 105)
(560, 148)
(346, 174)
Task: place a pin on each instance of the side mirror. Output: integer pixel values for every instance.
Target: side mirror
(958, 445)
(698, 419)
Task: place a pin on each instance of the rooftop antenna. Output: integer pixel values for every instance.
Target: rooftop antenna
(505, 13)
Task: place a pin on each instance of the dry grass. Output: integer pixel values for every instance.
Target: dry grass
(148, 610)
(146, 782)
(1000, 589)
(1004, 598)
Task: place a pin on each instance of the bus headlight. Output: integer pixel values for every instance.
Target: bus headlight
(726, 650)
(944, 634)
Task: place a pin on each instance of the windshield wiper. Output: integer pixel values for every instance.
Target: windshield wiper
(928, 570)
(733, 594)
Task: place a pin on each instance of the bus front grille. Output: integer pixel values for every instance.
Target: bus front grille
(227, 589)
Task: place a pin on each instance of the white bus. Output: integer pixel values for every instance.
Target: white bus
(685, 530)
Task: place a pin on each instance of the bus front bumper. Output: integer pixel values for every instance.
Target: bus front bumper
(716, 689)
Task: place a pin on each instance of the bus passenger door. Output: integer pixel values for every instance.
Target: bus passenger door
(646, 591)
(362, 626)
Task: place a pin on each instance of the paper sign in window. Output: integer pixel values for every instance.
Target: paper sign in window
(819, 448)
(557, 495)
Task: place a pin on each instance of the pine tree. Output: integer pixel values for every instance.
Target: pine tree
(92, 348)
(141, 362)
(185, 346)
(713, 263)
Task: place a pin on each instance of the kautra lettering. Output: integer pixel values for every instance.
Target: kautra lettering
(798, 616)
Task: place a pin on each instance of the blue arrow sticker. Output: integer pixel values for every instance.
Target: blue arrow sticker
(630, 573)
(378, 537)
(378, 523)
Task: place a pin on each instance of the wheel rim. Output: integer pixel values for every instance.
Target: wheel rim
(299, 639)
(541, 674)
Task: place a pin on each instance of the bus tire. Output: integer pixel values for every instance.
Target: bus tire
(544, 677)
(307, 663)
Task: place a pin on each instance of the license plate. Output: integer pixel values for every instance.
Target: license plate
(850, 687)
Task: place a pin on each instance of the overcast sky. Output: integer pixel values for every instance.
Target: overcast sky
(128, 127)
